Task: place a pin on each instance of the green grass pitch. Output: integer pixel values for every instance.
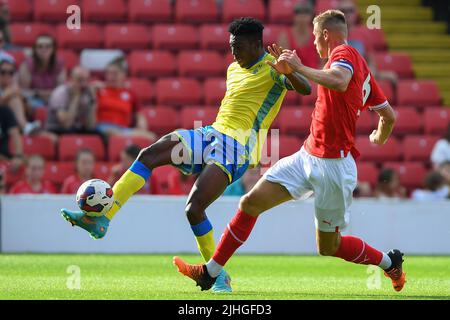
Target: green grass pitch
(36, 276)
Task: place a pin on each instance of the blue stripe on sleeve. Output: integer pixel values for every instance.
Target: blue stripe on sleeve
(140, 169)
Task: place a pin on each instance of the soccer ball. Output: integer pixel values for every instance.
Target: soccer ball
(95, 197)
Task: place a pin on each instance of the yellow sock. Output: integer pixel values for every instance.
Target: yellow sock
(204, 234)
(128, 184)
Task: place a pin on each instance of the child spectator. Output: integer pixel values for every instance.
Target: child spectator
(389, 185)
(34, 182)
(84, 164)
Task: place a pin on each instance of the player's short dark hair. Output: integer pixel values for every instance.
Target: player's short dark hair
(331, 19)
(132, 150)
(247, 27)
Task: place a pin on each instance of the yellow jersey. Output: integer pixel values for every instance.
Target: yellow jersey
(251, 103)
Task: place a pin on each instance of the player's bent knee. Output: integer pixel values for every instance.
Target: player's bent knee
(249, 206)
(195, 212)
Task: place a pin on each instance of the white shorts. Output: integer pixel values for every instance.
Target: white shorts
(332, 182)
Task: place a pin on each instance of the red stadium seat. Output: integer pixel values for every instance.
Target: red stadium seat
(323, 5)
(291, 98)
(196, 11)
(161, 175)
(411, 174)
(19, 10)
(214, 89)
(70, 58)
(366, 122)
(103, 10)
(391, 151)
(57, 172)
(190, 115)
(161, 119)
(233, 9)
(175, 37)
(310, 100)
(400, 63)
(295, 120)
(282, 147)
(408, 121)
(281, 10)
(52, 10)
(178, 91)
(89, 36)
(418, 93)
(70, 144)
(41, 115)
(150, 11)
(437, 120)
(373, 39)
(200, 64)
(418, 148)
(271, 33)
(386, 87)
(214, 36)
(127, 36)
(41, 145)
(367, 172)
(117, 143)
(25, 34)
(143, 89)
(18, 55)
(102, 170)
(228, 59)
(9, 175)
(153, 64)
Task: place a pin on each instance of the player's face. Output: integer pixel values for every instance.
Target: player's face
(320, 43)
(244, 51)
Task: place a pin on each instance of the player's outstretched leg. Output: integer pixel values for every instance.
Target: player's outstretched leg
(196, 272)
(395, 271)
(132, 181)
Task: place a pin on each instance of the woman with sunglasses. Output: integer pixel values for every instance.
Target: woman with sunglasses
(42, 72)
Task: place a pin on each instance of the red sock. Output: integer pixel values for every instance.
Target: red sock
(355, 250)
(235, 234)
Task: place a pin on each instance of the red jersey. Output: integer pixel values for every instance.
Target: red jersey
(71, 184)
(24, 187)
(116, 106)
(332, 131)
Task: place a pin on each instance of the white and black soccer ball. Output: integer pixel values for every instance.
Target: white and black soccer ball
(95, 197)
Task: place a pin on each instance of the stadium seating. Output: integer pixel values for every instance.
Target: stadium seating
(391, 151)
(281, 11)
(175, 36)
(214, 89)
(366, 122)
(90, 36)
(161, 175)
(214, 36)
(436, 120)
(41, 115)
(149, 11)
(373, 39)
(142, 88)
(411, 174)
(19, 10)
(117, 143)
(310, 100)
(161, 119)
(153, 64)
(291, 98)
(52, 10)
(193, 114)
(25, 34)
(285, 145)
(271, 33)
(70, 58)
(196, 11)
(386, 87)
(127, 36)
(418, 147)
(200, 64)
(69, 145)
(178, 91)
(103, 10)
(57, 172)
(18, 55)
(408, 121)
(367, 172)
(102, 170)
(41, 145)
(232, 9)
(400, 63)
(295, 120)
(417, 93)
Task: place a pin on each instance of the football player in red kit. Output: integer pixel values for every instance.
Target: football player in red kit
(325, 165)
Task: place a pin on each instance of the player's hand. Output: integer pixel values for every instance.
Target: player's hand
(291, 58)
(280, 66)
(375, 138)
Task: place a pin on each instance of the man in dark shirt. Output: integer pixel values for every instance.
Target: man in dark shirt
(10, 130)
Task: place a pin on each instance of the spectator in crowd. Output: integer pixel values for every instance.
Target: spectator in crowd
(43, 72)
(299, 36)
(4, 23)
(441, 150)
(2, 182)
(444, 170)
(72, 106)
(127, 157)
(388, 185)
(435, 188)
(84, 165)
(9, 131)
(11, 94)
(117, 105)
(3, 44)
(351, 15)
(34, 182)
(363, 190)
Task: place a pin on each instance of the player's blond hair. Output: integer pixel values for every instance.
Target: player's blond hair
(331, 19)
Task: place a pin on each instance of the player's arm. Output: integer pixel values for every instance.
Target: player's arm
(385, 125)
(336, 78)
(298, 82)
